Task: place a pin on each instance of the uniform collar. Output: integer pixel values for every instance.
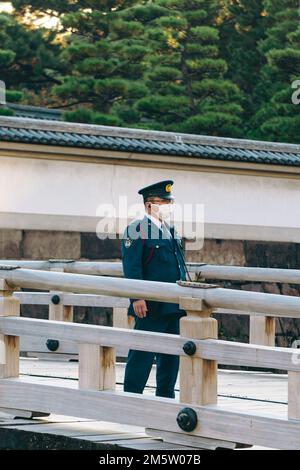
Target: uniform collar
(158, 224)
(154, 220)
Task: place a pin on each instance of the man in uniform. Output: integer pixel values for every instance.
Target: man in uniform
(152, 250)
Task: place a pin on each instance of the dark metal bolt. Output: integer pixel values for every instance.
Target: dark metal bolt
(52, 344)
(55, 299)
(189, 348)
(187, 419)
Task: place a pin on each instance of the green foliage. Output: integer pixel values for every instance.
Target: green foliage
(6, 111)
(219, 67)
(286, 61)
(277, 118)
(186, 77)
(88, 116)
(28, 58)
(14, 96)
(6, 58)
(242, 26)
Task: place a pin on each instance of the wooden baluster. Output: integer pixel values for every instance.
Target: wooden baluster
(9, 358)
(97, 367)
(198, 377)
(262, 330)
(59, 311)
(121, 319)
(294, 394)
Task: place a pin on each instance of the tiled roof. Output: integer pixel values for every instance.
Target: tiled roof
(207, 148)
(34, 112)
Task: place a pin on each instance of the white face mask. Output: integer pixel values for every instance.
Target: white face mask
(164, 211)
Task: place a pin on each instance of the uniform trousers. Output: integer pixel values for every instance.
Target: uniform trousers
(139, 363)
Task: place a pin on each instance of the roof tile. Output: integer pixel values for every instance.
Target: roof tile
(127, 144)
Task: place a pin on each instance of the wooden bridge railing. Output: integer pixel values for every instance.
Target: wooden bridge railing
(196, 416)
(207, 271)
(58, 303)
(262, 327)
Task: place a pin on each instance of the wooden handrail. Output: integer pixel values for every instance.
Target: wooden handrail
(75, 300)
(94, 300)
(198, 363)
(151, 290)
(225, 352)
(151, 412)
(207, 271)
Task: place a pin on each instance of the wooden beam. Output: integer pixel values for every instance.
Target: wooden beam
(97, 368)
(294, 395)
(243, 273)
(78, 300)
(262, 330)
(9, 344)
(2, 350)
(208, 271)
(36, 347)
(153, 290)
(121, 319)
(59, 311)
(198, 376)
(150, 412)
(14, 414)
(225, 352)
(190, 440)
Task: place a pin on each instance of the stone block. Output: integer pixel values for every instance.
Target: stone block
(223, 252)
(44, 244)
(271, 254)
(10, 244)
(93, 247)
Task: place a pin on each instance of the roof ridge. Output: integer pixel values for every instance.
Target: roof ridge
(140, 134)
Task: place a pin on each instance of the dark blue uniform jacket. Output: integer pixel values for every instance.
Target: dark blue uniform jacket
(147, 255)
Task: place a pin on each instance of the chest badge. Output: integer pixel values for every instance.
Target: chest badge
(127, 242)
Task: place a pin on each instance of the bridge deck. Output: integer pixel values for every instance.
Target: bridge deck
(251, 392)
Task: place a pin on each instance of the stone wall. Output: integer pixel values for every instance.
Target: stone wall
(35, 244)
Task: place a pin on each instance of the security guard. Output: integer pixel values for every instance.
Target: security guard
(152, 250)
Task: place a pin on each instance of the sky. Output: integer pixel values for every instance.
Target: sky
(47, 22)
(5, 6)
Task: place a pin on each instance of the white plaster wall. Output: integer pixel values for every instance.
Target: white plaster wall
(57, 188)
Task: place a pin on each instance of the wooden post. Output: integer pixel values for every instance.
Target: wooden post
(59, 311)
(97, 367)
(121, 319)
(262, 330)
(9, 358)
(198, 377)
(9, 347)
(293, 395)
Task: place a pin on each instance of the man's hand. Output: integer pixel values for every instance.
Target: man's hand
(140, 308)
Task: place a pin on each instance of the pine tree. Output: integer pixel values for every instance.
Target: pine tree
(103, 53)
(186, 75)
(153, 64)
(28, 59)
(278, 119)
(242, 28)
